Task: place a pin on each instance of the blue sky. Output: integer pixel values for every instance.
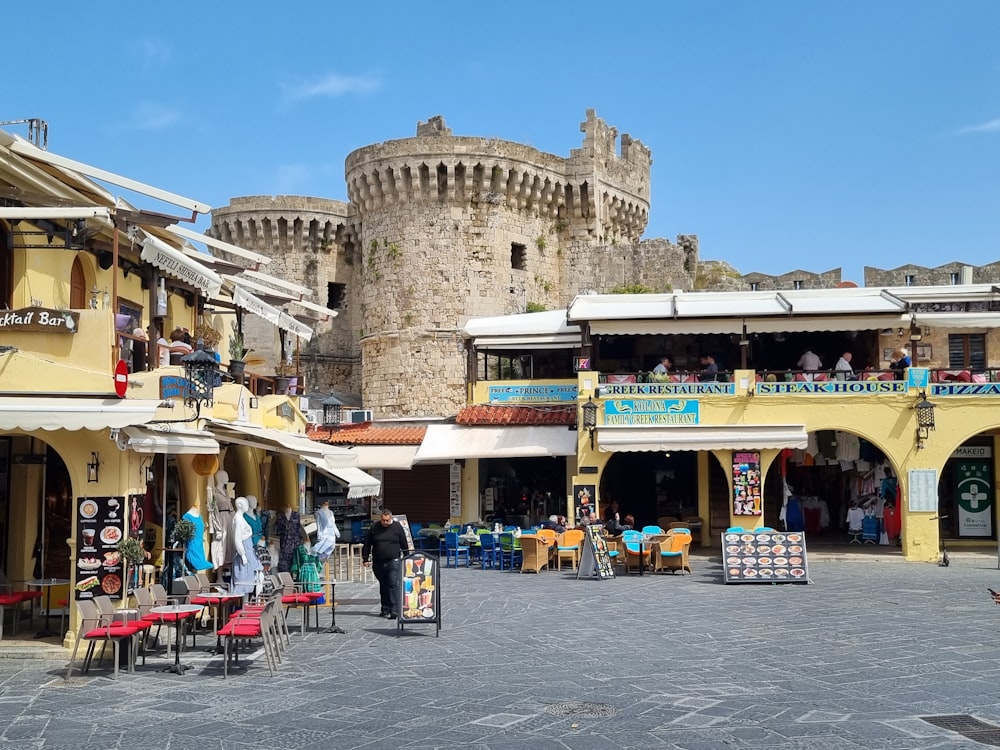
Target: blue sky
(784, 134)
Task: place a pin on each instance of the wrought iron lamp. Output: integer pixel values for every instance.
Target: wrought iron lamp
(201, 370)
(925, 419)
(590, 418)
(93, 467)
(333, 412)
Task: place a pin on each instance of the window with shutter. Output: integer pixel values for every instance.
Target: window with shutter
(967, 351)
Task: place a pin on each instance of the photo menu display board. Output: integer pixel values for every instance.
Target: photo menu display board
(594, 558)
(765, 557)
(420, 594)
(100, 526)
(746, 484)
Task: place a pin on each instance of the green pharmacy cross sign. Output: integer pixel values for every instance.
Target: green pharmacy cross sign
(974, 491)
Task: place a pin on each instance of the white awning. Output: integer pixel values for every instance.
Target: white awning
(958, 320)
(541, 330)
(358, 482)
(614, 439)
(271, 314)
(170, 438)
(289, 443)
(204, 239)
(180, 266)
(54, 413)
(385, 456)
(443, 442)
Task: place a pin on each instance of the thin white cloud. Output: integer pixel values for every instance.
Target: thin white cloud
(991, 126)
(331, 85)
(151, 53)
(148, 115)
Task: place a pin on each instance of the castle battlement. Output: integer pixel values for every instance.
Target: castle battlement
(595, 191)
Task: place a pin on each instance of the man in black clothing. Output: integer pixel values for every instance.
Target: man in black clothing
(385, 544)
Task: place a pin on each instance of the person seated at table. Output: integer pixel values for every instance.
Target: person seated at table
(613, 519)
(556, 523)
(900, 361)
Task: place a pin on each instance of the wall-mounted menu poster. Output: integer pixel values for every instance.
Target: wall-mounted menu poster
(746, 483)
(420, 590)
(594, 557)
(100, 524)
(764, 557)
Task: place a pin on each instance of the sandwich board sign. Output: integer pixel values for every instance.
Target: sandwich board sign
(594, 557)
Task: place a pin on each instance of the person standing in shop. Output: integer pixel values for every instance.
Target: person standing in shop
(385, 544)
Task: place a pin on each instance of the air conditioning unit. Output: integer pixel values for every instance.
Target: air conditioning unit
(357, 416)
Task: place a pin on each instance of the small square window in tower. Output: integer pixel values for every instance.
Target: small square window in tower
(518, 256)
(336, 295)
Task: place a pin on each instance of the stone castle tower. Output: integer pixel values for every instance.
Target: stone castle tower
(439, 228)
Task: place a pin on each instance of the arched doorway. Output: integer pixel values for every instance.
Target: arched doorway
(77, 286)
(839, 470)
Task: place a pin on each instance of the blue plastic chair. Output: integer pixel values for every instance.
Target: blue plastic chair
(490, 552)
(652, 530)
(735, 530)
(633, 549)
(455, 551)
(762, 529)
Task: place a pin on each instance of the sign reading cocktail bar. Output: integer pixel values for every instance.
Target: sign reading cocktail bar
(39, 320)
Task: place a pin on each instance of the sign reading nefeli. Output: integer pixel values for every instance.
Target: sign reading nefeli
(39, 320)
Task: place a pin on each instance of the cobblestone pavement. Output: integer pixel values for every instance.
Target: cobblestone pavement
(850, 661)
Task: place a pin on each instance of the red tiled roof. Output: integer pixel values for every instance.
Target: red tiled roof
(483, 414)
(368, 433)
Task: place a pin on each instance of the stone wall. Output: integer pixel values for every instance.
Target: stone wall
(792, 280)
(943, 275)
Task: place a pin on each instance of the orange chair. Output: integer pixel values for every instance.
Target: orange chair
(568, 546)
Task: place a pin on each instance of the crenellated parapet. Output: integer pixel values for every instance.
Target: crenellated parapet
(283, 223)
(595, 192)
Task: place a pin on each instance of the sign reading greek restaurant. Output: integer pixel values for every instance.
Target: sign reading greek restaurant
(838, 387)
(668, 389)
(39, 320)
(650, 411)
(519, 394)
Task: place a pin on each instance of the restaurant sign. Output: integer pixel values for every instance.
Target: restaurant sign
(667, 389)
(651, 411)
(174, 386)
(39, 320)
(520, 394)
(966, 389)
(836, 387)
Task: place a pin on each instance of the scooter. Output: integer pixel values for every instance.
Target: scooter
(945, 560)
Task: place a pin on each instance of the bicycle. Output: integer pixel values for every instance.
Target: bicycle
(945, 561)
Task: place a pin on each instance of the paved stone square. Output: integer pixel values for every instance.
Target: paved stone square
(547, 661)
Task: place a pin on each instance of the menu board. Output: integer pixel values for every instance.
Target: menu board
(100, 524)
(764, 557)
(746, 484)
(420, 590)
(594, 557)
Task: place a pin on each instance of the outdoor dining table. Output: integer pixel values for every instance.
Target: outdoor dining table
(182, 612)
(47, 584)
(331, 585)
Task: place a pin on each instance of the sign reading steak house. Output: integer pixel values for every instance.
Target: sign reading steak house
(39, 320)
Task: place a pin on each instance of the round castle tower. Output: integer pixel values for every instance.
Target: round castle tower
(453, 227)
(305, 239)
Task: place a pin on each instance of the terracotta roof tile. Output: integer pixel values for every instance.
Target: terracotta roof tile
(485, 414)
(369, 433)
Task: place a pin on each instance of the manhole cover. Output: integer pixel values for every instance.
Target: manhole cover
(581, 710)
(967, 726)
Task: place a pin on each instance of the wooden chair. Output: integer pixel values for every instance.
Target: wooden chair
(671, 552)
(633, 551)
(551, 538)
(695, 525)
(534, 553)
(665, 521)
(568, 547)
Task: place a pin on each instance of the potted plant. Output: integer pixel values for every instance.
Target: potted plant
(237, 352)
(283, 372)
(183, 532)
(134, 555)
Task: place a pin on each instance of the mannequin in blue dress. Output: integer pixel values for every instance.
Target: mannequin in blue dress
(194, 553)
